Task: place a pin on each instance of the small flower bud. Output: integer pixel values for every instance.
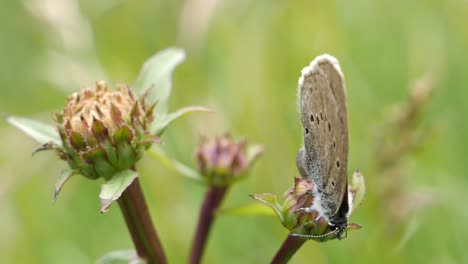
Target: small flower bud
(299, 212)
(222, 161)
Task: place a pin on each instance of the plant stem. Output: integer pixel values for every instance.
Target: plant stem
(135, 211)
(288, 249)
(213, 198)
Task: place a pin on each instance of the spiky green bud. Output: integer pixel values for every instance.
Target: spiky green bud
(103, 131)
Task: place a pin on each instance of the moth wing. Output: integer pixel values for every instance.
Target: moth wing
(324, 119)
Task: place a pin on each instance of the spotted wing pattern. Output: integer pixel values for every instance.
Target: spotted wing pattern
(324, 118)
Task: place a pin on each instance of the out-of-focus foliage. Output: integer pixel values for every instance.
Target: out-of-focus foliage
(243, 60)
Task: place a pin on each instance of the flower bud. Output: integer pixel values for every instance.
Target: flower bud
(222, 161)
(299, 212)
(104, 131)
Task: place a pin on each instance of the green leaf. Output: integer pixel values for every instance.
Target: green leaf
(38, 131)
(358, 189)
(250, 209)
(120, 257)
(272, 201)
(176, 165)
(253, 153)
(63, 178)
(113, 189)
(156, 76)
(160, 124)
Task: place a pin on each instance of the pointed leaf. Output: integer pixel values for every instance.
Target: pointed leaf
(357, 189)
(120, 257)
(113, 189)
(42, 133)
(272, 201)
(176, 165)
(160, 123)
(156, 75)
(254, 152)
(250, 209)
(63, 178)
(46, 146)
(353, 226)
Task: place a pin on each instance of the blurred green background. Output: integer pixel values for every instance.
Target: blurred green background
(243, 60)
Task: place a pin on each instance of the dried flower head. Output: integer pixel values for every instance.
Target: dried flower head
(103, 131)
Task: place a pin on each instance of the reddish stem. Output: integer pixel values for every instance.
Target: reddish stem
(288, 249)
(135, 211)
(213, 198)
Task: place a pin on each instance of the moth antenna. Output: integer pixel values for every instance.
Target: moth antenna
(312, 236)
